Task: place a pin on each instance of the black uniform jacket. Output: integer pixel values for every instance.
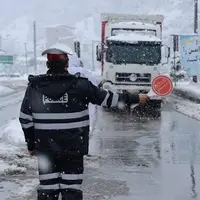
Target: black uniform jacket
(54, 113)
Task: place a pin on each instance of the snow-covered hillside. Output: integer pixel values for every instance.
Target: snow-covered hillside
(16, 22)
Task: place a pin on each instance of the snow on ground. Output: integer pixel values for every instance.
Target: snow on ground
(186, 107)
(3, 167)
(22, 190)
(12, 135)
(193, 89)
(187, 89)
(5, 90)
(13, 149)
(21, 78)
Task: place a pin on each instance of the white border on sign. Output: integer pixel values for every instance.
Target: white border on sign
(171, 85)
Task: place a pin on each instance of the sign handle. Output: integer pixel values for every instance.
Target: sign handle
(150, 94)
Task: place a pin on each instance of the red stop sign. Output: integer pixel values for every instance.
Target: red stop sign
(162, 85)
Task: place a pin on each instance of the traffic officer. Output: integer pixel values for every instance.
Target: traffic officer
(55, 120)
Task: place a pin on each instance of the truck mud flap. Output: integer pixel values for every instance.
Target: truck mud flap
(151, 109)
(146, 111)
(154, 103)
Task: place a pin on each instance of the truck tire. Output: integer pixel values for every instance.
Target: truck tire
(156, 113)
(155, 108)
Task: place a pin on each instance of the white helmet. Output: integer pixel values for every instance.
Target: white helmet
(58, 48)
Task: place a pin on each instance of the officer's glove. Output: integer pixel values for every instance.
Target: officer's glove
(31, 153)
(143, 98)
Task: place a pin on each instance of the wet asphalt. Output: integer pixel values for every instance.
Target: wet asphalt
(131, 159)
(144, 159)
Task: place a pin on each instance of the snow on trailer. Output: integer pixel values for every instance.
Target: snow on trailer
(116, 17)
(139, 27)
(134, 23)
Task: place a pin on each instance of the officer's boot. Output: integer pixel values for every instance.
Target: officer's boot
(47, 195)
(72, 194)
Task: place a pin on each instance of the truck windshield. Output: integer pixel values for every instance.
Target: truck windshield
(148, 53)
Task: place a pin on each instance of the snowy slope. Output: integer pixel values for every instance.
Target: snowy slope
(178, 14)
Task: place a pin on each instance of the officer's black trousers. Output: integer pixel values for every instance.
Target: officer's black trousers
(60, 174)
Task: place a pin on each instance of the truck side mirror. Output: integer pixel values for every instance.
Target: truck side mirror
(166, 53)
(77, 48)
(98, 53)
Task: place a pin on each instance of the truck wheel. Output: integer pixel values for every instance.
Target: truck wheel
(154, 108)
(156, 113)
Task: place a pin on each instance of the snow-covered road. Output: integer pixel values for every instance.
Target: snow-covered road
(130, 159)
(146, 159)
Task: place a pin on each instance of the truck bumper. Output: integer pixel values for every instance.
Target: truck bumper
(128, 88)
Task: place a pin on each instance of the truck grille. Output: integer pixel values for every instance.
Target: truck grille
(125, 77)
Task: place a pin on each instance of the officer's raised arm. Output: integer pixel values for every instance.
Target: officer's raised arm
(111, 99)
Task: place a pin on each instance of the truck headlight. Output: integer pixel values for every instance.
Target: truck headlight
(133, 77)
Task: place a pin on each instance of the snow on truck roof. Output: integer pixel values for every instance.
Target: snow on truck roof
(133, 37)
(147, 25)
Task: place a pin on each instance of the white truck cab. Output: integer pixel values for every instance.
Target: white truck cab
(130, 51)
(132, 61)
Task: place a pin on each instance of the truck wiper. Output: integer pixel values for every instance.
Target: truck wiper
(119, 62)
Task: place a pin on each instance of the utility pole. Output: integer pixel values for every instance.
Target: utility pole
(34, 46)
(26, 57)
(195, 28)
(192, 163)
(93, 65)
(196, 16)
(175, 39)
